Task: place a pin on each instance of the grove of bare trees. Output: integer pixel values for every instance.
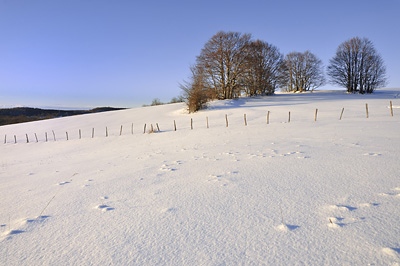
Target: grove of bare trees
(357, 66)
(231, 64)
(301, 72)
(262, 70)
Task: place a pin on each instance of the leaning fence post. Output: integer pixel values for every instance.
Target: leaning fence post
(120, 131)
(27, 139)
(316, 111)
(54, 135)
(366, 108)
(36, 138)
(245, 120)
(158, 128)
(341, 114)
(391, 108)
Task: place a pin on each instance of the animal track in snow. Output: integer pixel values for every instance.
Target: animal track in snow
(368, 204)
(343, 207)
(335, 222)
(286, 227)
(390, 194)
(218, 179)
(372, 154)
(393, 252)
(104, 207)
(169, 210)
(20, 226)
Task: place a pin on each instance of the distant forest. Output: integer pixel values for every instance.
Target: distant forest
(27, 114)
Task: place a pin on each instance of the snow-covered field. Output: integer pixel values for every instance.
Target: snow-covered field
(304, 192)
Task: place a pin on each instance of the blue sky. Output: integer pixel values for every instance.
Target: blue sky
(87, 53)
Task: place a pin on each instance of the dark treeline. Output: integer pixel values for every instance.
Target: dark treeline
(232, 64)
(27, 114)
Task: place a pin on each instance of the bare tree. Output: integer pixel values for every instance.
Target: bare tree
(223, 60)
(357, 66)
(262, 71)
(196, 91)
(301, 72)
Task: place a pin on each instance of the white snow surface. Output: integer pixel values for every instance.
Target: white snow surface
(323, 192)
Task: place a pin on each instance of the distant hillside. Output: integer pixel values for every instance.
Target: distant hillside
(27, 114)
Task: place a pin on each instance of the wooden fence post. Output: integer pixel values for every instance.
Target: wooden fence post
(80, 135)
(245, 120)
(226, 120)
(36, 138)
(207, 121)
(5, 139)
(54, 135)
(27, 139)
(267, 117)
(132, 129)
(106, 132)
(15, 139)
(341, 114)
(92, 132)
(158, 128)
(391, 108)
(174, 125)
(191, 123)
(289, 117)
(315, 118)
(152, 129)
(144, 130)
(46, 136)
(120, 131)
(366, 109)
(66, 133)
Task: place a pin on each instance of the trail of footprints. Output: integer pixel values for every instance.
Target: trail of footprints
(343, 212)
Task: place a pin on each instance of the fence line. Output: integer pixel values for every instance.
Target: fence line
(191, 125)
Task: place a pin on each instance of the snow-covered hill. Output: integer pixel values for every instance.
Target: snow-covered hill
(323, 192)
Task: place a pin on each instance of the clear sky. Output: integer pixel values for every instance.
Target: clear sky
(124, 53)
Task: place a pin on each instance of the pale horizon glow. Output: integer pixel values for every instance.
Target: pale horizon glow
(87, 54)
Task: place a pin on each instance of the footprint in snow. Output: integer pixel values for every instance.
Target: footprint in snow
(372, 154)
(20, 226)
(335, 222)
(390, 194)
(393, 252)
(169, 210)
(63, 183)
(366, 205)
(286, 227)
(104, 207)
(343, 207)
(218, 179)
